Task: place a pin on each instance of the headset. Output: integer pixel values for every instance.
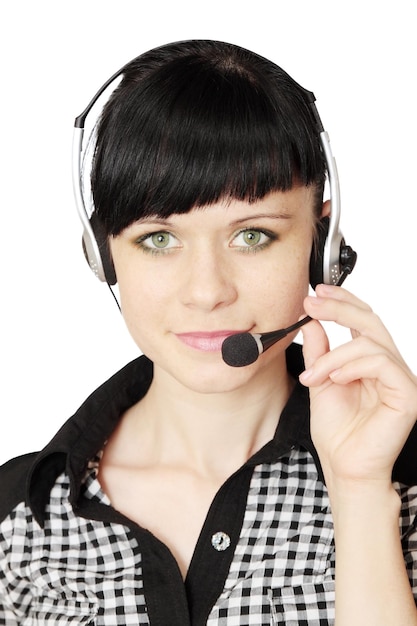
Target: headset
(331, 259)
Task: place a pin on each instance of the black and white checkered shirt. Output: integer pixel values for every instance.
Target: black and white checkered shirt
(265, 555)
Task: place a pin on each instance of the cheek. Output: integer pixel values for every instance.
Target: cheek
(140, 297)
(283, 288)
(142, 314)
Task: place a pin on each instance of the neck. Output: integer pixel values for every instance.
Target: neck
(210, 432)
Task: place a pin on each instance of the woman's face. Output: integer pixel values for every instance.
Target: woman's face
(189, 281)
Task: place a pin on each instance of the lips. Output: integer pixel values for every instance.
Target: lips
(206, 342)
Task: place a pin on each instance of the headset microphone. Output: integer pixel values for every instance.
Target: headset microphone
(244, 348)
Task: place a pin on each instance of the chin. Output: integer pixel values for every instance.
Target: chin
(216, 377)
(212, 387)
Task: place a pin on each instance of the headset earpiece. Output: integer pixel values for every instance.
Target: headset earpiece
(326, 265)
(97, 251)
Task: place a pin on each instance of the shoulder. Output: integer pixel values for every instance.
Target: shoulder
(13, 480)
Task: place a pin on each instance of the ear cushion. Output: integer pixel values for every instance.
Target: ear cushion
(103, 246)
(317, 252)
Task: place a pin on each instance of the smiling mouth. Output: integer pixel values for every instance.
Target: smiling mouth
(206, 342)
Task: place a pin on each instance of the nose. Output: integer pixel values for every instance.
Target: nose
(208, 280)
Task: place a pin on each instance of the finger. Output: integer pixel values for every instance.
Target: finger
(396, 387)
(315, 342)
(350, 312)
(342, 294)
(340, 356)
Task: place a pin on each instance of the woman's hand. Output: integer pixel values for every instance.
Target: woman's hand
(363, 395)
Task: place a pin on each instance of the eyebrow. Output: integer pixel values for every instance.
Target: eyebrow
(161, 221)
(257, 216)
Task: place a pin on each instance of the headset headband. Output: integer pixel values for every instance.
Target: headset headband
(93, 249)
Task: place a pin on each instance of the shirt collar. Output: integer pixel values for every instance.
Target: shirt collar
(84, 434)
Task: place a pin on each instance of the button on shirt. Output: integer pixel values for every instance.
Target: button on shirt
(265, 554)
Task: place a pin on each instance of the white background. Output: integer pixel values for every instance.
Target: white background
(61, 333)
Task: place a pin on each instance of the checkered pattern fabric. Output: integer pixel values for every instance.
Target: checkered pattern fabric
(72, 571)
(283, 568)
(76, 570)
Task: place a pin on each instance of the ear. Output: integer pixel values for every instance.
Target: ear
(326, 208)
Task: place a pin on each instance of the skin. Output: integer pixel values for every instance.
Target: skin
(213, 276)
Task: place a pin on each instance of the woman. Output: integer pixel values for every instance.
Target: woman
(184, 490)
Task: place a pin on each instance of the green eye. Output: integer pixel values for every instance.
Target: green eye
(251, 237)
(160, 240)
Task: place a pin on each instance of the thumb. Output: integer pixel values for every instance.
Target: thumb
(315, 342)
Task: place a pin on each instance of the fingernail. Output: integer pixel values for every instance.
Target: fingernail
(335, 373)
(315, 300)
(306, 375)
(325, 288)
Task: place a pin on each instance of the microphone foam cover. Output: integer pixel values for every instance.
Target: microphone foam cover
(240, 350)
